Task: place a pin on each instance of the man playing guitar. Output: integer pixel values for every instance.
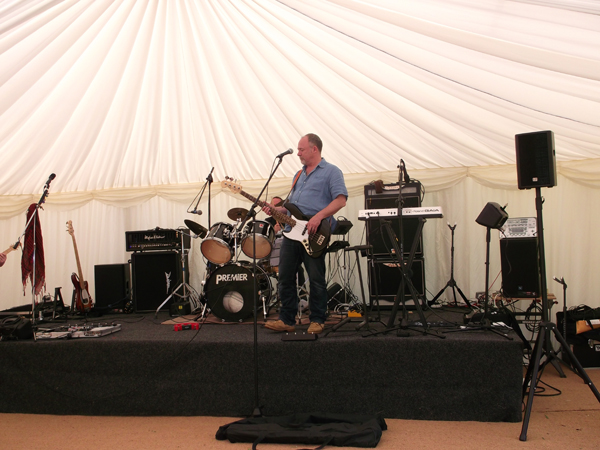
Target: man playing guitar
(319, 191)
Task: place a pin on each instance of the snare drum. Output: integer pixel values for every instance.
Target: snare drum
(217, 245)
(263, 233)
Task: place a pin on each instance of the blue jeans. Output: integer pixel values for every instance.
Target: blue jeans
(292, 255)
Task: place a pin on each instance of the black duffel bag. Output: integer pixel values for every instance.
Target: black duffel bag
(15, 327)
(340, 430)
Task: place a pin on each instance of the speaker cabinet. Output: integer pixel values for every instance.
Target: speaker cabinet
(492, 216)
(520, 267)
(155, 276)
(384, 279)
(378, 237)
(536, 159)
(112, 284)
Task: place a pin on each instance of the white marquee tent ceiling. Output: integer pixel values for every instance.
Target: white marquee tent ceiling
(125, 93)
(128, 100)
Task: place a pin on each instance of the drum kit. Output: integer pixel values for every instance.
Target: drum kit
(229, 285)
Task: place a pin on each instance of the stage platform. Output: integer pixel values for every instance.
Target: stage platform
(147, 368)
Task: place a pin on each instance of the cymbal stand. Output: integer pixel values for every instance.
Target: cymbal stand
(451, 282)
(188, 292)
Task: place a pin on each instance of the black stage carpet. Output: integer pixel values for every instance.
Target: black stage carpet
(147, 368)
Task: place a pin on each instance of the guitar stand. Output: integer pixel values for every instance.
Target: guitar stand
(451, 282)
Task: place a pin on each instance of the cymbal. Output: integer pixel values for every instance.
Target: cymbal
(237, 213)
(196, 228)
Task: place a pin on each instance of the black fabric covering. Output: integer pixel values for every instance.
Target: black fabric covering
(150, 369)
(340, 430)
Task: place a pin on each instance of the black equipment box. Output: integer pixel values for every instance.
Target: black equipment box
(156, 239)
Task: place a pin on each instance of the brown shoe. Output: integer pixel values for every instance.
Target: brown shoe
(279, 325)
(316, 328)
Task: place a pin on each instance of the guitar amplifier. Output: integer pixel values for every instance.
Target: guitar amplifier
(384, 280)
(156, 239)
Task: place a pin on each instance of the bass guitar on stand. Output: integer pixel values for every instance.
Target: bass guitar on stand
(314, 244)
(83, 299)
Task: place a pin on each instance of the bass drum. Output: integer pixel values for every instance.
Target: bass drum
(230, 291)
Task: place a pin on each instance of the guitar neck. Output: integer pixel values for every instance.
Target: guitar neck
(278, 216)
(81, 281)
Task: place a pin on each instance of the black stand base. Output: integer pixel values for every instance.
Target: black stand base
(531, 377)
(484, 325)
(451, 284)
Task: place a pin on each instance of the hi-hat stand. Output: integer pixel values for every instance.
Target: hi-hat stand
(451, 282)
(188, 292)
(546, 327)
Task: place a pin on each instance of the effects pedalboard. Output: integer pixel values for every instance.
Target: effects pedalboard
(78, 331)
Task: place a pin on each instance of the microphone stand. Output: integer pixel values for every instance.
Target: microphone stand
(251, 214)
(41, 201)
(209, 180)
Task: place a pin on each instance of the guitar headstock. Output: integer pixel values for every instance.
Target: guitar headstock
(231, 185)
(70, 229)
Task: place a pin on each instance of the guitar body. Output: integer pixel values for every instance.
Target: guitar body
(314, 244)
(83, 300)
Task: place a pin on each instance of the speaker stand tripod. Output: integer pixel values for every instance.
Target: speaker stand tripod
(451, 282)
(188, 292)
(543, 345)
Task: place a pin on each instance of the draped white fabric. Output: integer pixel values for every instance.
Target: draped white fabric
(132, 103)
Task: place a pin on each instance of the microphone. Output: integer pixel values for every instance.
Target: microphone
(50, 178)
(289, 151)
(196, 211)
(403, 166)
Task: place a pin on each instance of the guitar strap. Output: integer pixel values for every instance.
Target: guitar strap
(293, 184)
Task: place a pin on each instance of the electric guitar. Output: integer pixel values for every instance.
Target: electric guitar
(8, 250)
(83, 299)
(314, 244)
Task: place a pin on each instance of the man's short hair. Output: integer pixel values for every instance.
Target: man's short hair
(315, 140)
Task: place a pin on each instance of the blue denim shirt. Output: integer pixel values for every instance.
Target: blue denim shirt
(314, 192)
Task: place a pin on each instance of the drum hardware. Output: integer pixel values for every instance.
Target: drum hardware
(188, 292)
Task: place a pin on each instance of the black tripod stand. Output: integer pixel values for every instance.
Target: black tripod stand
(543, 345)
(451, 282)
